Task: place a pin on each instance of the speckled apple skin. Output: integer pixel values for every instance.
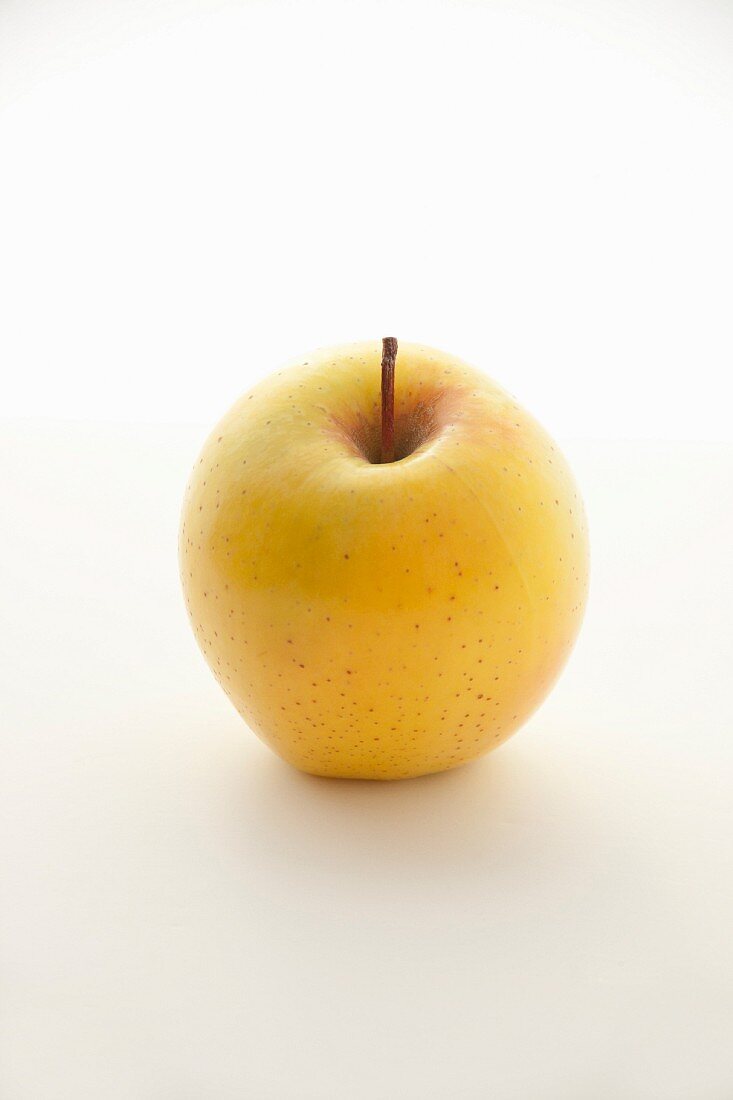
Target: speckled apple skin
(383, 621)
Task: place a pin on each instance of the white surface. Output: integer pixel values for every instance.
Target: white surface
(187, 917)
(194, 190)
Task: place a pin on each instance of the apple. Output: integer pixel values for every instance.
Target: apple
(386, 581)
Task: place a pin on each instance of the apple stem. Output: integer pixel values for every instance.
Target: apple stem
(389, 357)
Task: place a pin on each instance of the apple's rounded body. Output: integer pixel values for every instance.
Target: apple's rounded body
(383, 620)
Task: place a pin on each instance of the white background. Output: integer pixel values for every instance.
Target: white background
(191, 193)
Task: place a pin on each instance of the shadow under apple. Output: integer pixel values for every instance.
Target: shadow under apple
(519, 811)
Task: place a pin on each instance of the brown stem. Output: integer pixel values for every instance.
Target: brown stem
(389, 356)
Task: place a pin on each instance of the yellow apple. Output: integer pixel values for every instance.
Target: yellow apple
(383, 619)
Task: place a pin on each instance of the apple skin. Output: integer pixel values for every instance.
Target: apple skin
(383, 621)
